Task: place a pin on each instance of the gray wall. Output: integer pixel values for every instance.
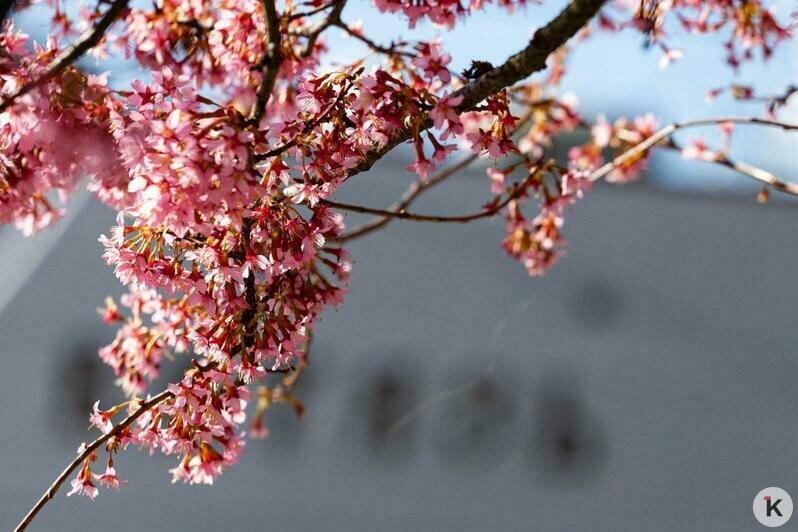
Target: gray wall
(647, 383)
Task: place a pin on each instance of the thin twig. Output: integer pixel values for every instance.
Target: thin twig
(413, 191)
(88, 451)
(515, 193)
(313, 33)
(295, 16)
(310, 126)
(750, 171)
(417, 188)
(745, 169)
(83, 44)
(389, 51)
(115, 430)
(404, 215)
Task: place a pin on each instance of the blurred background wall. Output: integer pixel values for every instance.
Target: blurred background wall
(646, 383)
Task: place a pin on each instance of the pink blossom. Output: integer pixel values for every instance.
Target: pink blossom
(109, 478)
(101, 419)
(82, 484)
(433, 62)
(422, 167)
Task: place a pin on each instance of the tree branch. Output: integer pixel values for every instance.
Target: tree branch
(742, 168)
(83, 44)
(515, 192)
(271, 61)
(418, 187)
(119, 427)
(309, 126)
(310, 13)
(88, 451)
(413, 191)
(313, 33)
(531, 59)
(389, 51)
(745, 169)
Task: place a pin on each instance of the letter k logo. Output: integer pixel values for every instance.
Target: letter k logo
(772, 506)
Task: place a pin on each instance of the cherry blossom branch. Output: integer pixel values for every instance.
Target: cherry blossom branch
(389, 51)
(295, 16)
(413, 191)
(83, 44)
(404, 215)
(780, 100)
(745, 169)
(87, 452)
(313, 33)
(271, 61)
(667, 131)
(309, 126)
(746, 94)
(420, 186)
(529, 60)
(515, 192)
(292, 374)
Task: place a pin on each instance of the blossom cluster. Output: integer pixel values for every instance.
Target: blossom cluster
(50, 138)
(749, 25)
(441, 12)
(618, 137)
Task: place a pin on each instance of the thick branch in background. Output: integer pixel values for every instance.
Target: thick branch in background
(529, 60)
(83, 44)
(271, 61)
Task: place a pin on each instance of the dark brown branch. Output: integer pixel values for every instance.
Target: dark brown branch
(514, 193)
(295, 16)
(389, 51)
(529, 60)
(404, 215)
(309, 126)
(83, 44)
(313, 33)
(271, 61)
(88, 451)
(420, 186)
(413, 191)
